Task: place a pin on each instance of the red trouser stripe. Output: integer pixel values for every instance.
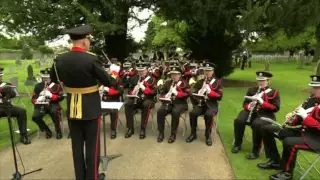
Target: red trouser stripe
(96, 154)
(147, 116)
(292, 153)
(212, 120)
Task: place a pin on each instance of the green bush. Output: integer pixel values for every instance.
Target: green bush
(26, 52)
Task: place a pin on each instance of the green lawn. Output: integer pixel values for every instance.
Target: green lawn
(287, 79)
(290, 83)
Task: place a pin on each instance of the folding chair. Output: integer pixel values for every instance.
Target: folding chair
(312, 165)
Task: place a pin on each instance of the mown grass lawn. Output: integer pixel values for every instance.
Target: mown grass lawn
(291, 83)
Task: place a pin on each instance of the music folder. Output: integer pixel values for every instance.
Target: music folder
(111, 105)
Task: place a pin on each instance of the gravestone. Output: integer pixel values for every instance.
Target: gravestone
(30, 73)
(11, 70)
(14, 81)
(18, 62)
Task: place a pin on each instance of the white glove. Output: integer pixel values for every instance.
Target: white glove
(46, 93)
(289, 115)
(174, 91)
(302, 113)
(41, 99)
(160, 82)
(208, 89)
(114, 68)
(142, 87)
(106, 89)
(260, 100)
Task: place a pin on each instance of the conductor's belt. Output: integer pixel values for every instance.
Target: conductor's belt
(85, 90)
(76, 99)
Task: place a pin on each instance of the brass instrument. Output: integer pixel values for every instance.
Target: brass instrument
(255, 106)
(201, 95)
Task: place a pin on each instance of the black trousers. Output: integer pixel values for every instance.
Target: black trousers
(114, 116)
(20, 114)
(208, 113)
(256, 125)
(53, 110)
(85, 138)
(145, 106)
(175, 110)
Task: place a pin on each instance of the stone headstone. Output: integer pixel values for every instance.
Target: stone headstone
(11, 70)
(30, 73)
(18, 62)
(14, 81)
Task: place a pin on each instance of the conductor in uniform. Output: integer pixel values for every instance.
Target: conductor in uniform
(204, 97)
(175, 93)
(52, 93)
(260, 101)
(80, 71)
(300, 132)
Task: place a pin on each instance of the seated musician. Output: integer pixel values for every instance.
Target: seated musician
(142, 92)
(52, 94)
(300, 132)
(260, 101)
(205, 96)
(7, 92)
(113, 94)
(175, 93)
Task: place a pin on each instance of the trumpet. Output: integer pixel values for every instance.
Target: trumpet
(255, 106)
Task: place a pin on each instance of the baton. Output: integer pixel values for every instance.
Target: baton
(105, 55)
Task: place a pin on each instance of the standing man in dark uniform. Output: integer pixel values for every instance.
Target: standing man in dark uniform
(52, 93)
(261, 101)
(205, 96)
(6, 90)
(144, 89)
(113, 93)
(301, 132)
(79, 71)
(174, 97)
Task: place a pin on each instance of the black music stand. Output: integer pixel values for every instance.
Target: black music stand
(7, 107)
(106, 158)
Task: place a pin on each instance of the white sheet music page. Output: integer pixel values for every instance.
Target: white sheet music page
(111, 105)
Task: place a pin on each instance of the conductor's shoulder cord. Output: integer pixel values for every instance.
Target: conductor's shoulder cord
(58, 79)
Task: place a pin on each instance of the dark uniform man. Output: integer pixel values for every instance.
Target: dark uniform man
(261, 101)
(113, 93)
(79, 71)
(174, 97)
(301, 132)
(7, 91)
(142, 92)
(52, 94)
(205, 96)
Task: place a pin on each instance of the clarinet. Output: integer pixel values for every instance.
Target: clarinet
(303, 105)
(42, 110)
(254, 108)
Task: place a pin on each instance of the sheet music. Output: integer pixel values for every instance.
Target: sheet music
(111, 105)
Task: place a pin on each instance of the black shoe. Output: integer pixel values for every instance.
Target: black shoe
(25, 140)
(191, 138)
(209, 141)
(252, 156)
(160, 137)
(129, 133)
(172, 139)
(271, 164)
(236, 149)
(48, 133)
(281, 176)
(101, 176)
(113, 134)
(59, 135)
(142, 133)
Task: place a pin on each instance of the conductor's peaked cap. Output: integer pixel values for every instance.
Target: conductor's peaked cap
(79, 32)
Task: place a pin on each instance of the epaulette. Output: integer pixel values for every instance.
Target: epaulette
(93, 54)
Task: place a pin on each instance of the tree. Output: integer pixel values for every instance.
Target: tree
(26, 52)
(45, 50)
(48, 20)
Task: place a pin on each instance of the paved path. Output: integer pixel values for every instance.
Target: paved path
(143, 159)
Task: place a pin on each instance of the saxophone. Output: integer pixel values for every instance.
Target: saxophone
(255, 106)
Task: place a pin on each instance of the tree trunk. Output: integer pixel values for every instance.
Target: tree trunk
(316, 56)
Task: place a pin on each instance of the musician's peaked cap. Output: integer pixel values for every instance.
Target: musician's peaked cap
(140, 66)
(45, 73)
(80, 32)
(127, 64)
(263, 75)
(175, 70)
(1, 71)
(315, 81)
(208, 66)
